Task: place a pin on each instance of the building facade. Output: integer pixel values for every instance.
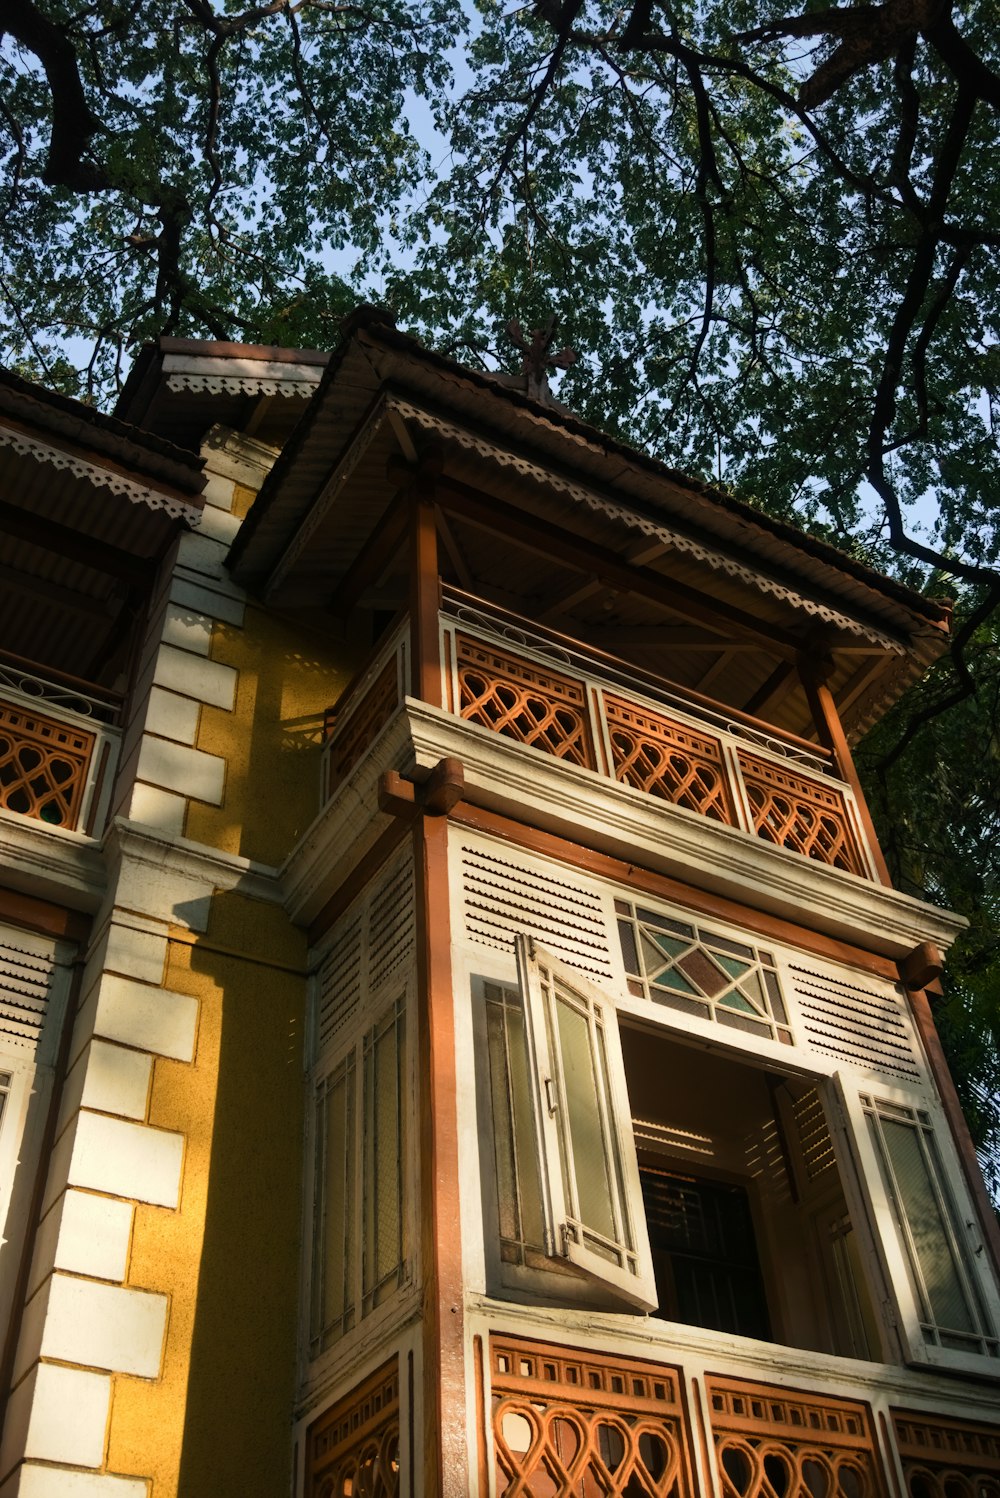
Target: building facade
(457, 1032)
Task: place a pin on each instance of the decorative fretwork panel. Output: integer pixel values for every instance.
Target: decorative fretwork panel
(568, 1423)
(523, 701)
(365, 723)
(352, 1451)
(668, 759)
(797, 812)
(43, 765)
(776, 1443)
(947, 1458)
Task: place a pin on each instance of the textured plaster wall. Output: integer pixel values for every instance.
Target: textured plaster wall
(271, 741)
(217, 1420)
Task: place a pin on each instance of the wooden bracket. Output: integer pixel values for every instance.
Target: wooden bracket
(435, 796)
(922, 966)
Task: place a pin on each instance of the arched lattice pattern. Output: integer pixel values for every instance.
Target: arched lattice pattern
(948, 1458)
(523, 701)
(352, 1449)
(569, 1424)
(802, 814)
(667, 759)
(770, 1443)
(43, 766)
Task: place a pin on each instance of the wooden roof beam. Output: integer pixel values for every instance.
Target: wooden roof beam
(99, 556)
(546, 539)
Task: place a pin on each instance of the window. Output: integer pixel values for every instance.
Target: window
(949, 1301)
(566, 1169)
(700, 972)
(685, 1192)
(359, 1248)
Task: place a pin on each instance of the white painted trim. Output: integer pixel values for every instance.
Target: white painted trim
(101, 478)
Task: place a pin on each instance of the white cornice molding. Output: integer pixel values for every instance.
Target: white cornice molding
(173, 878)
(248, 384)
(51, 862)
(702, 1351)
(101, 478)
(628, 824)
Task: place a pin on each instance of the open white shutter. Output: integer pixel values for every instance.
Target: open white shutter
(592, 1202)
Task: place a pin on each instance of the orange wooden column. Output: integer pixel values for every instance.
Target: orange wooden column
(815, 671)
(425, 599)
(446, 1453)
(446, 1445)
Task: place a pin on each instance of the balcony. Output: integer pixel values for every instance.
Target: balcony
(58, 746)
(594, 712)
(560, 1420)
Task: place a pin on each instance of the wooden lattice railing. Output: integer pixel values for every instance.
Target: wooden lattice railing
(776, 1443)
(742, 776)
(44, 765)
(795, 811)
(523, 701)
(947, 1458)
(566, 1422)
(353, 1448)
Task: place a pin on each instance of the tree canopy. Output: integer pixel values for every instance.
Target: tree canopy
(771, 236)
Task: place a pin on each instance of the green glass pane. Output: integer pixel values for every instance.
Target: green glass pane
(931, 1239)
(527, 1184)
(591, 1185)
(653, 960)
(732, 965)
(735, 1000)
(677, 981)
(671, 945)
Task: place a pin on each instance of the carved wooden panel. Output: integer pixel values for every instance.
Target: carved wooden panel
(368, 719)
(574, 1424)
(43, 765)
(523, 701)
(667, 759)
(352, 1450)
(777, 1443)
(947, 1458)
(796, 812)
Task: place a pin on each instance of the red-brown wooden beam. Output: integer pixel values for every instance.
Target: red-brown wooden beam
(425, 601)
(446, 1447)
(815, 671)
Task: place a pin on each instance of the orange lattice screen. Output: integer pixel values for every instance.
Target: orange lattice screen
(947, 1458)
(668, 759)
(352, 1451)
(523, 701)
(43, 766)
(799, 813)
(771, 1441)
(573, 1424)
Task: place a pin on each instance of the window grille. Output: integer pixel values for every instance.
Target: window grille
(699, 972)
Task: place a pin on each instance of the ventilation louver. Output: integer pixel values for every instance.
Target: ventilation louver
(25, 984)
(370, 944)
(858, 1023)
(502, 898)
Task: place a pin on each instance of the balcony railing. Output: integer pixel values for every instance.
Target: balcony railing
(57, 749)
(600, 715)
(562, 1421)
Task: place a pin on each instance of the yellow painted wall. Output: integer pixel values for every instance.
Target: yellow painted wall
(271, 742)
(218, 1419)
